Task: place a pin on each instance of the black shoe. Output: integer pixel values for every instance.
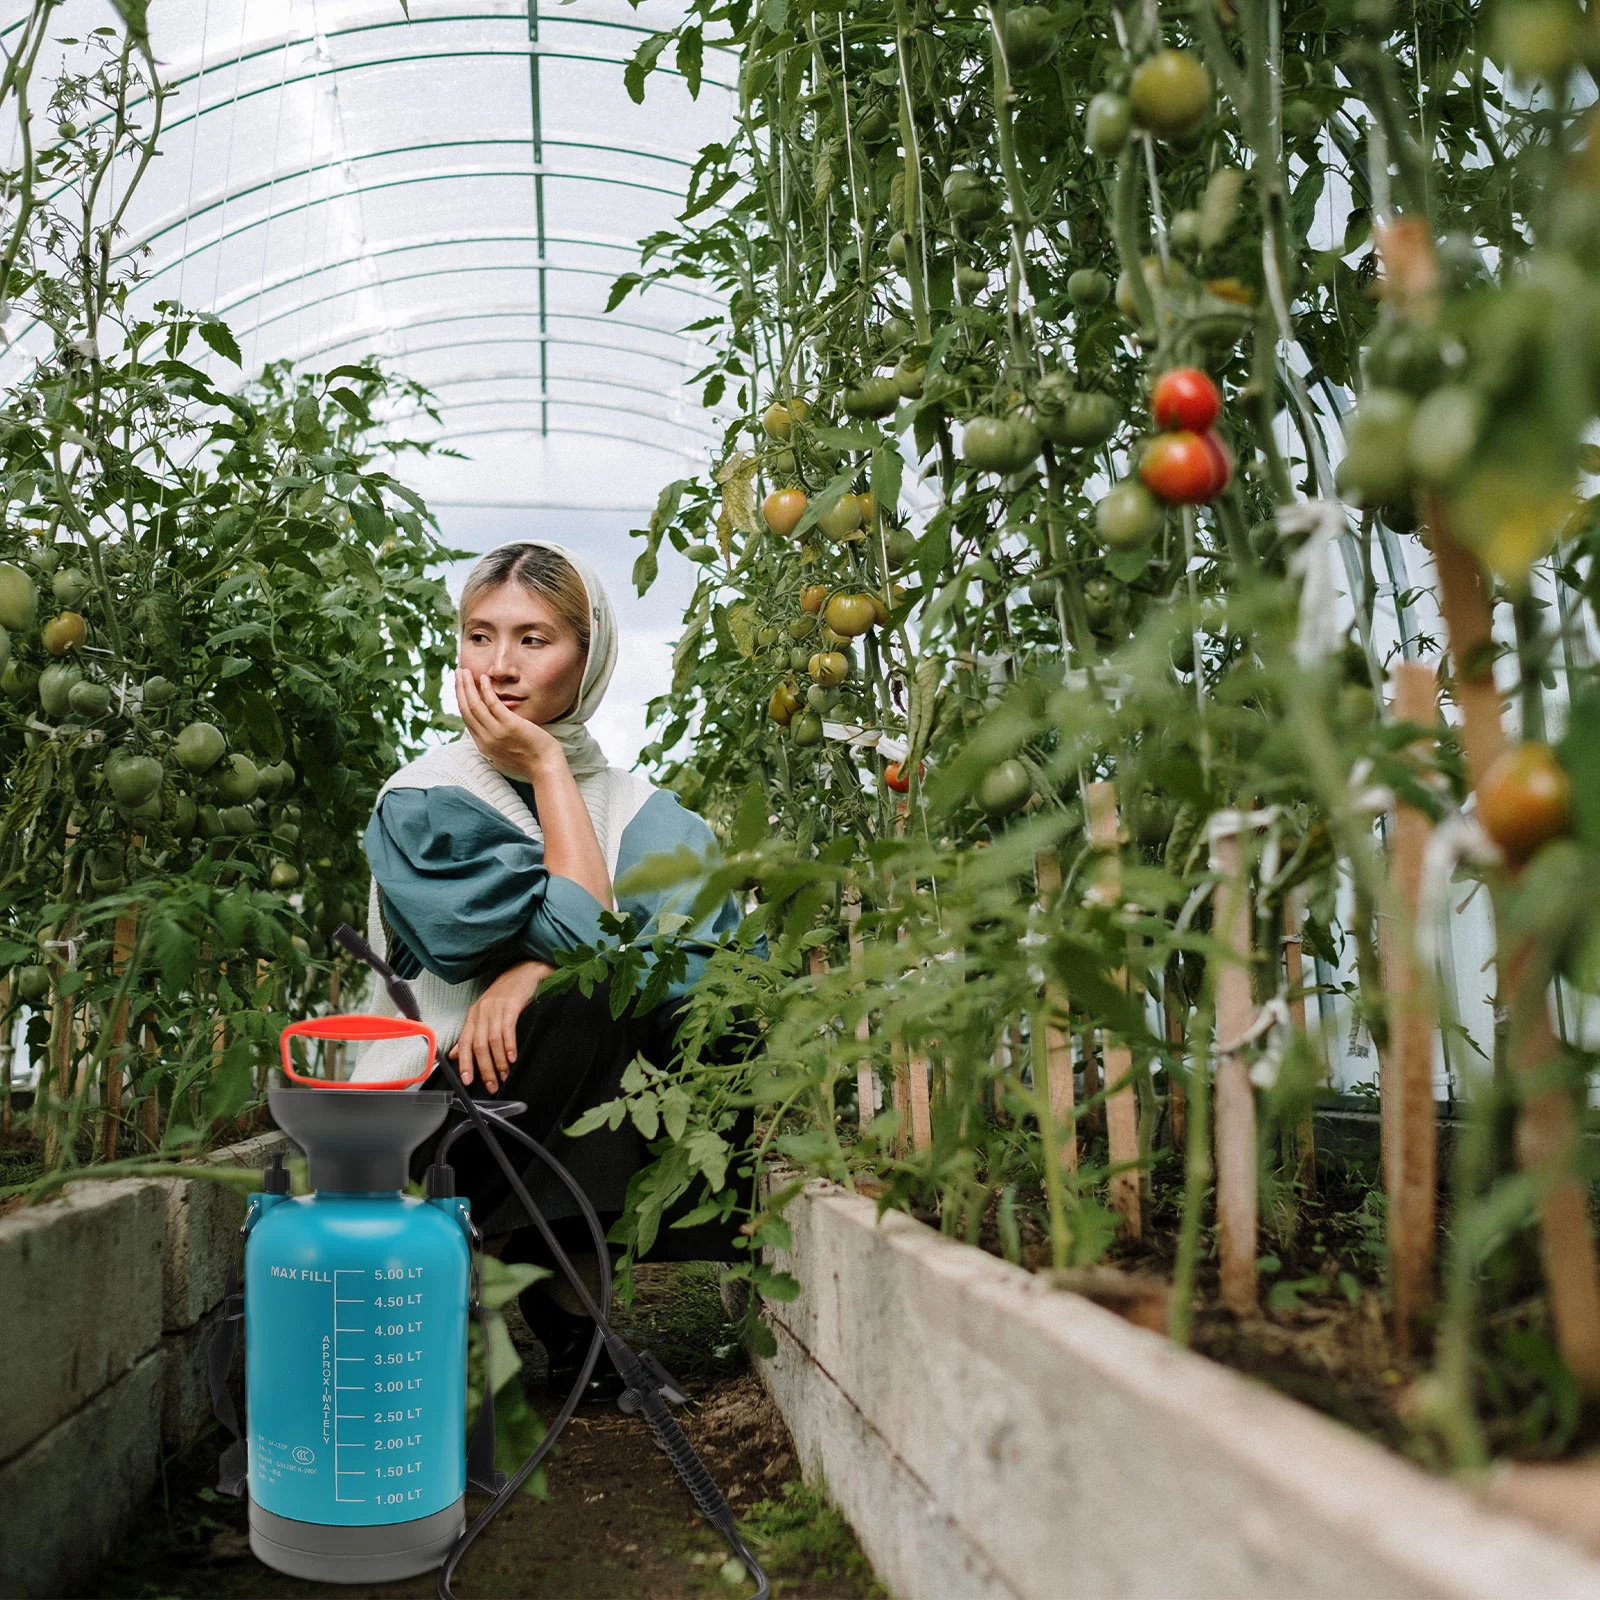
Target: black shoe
(565, 1336)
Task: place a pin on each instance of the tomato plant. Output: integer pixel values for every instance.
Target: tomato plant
(1110, 649)
(222, 634)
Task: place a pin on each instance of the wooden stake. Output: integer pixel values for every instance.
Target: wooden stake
(1235, 1099)
(1547, 1132)
(1172, 1016)
(7, 1023)
(150, 1110)
(865, 1078)
(122, 953)
(921, 1110)
(1052, 1046)
(1305, 1135)
(1411, 1158)
(1122, 1112)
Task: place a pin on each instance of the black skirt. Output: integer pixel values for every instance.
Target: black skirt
(571, 1055)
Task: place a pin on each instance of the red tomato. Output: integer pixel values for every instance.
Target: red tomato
(1185, 398)
(1222, 462)
(1183, 468)
(900, 780)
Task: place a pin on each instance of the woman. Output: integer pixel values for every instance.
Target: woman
(490, 855)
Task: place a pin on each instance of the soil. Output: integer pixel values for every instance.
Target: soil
(618, 1524)
(1322, 1335)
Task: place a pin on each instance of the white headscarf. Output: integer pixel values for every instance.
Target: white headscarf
(584, 756)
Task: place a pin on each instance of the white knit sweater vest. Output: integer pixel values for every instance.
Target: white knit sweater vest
(613, 798)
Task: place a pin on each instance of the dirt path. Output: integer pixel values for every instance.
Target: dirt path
(618, 1523)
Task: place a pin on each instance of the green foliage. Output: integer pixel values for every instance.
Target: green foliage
(1344, 201)
(239, 559)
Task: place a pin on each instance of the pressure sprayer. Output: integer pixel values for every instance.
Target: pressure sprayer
(355, 1306)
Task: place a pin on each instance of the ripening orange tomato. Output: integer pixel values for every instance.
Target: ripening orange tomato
(783, 509)
(1525, 799)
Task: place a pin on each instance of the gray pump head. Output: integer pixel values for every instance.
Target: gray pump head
(357, 1141)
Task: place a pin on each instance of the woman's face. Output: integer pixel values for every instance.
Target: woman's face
(532, 656)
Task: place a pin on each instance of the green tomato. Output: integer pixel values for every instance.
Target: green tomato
(1445, 433)
(237, 780)
(999, 444)
(1005, 788)
(237, 822)
(909, 375)
(875, 397)
(70, 585)
(1087, 419)
(132, 779)
(1088, 287)
(88, 699)
(1100, 600)
(806, 728)
(199, 747)
(33, 983)
(1107, 124)
(972, 281)
(1129, 517)
(209, 822)
(1170, 93)
(1030, 37)
(19, 679)
(184, 817)
(969, 195)
(1538, 38)
(284, 875)
(19, 598)
(158, 691)
(55, 687)
(1377, 433)
(105, 868)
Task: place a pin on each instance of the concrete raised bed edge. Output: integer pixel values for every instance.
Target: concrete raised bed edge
(112, 1291)
(987, 1435)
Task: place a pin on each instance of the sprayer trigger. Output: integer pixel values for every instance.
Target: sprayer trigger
(662, 1381)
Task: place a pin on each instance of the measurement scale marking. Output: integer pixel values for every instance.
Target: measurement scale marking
(356, 1388)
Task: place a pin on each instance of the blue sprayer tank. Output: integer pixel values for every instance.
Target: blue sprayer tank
(355, 1307)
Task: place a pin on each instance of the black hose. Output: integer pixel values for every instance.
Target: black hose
(641, 1386)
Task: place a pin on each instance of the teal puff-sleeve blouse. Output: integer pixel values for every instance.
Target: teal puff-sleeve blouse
(464, 890)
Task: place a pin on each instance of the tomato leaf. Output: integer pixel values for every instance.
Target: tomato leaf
(622, 288)
(643, 64)
(217, 334)
(691, 54)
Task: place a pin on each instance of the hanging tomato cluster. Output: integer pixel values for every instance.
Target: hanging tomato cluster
(1186, 464)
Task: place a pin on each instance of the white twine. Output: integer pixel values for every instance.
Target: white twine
(1317, 634)
(1222, 825)
(1371, 797)
(1458, 838)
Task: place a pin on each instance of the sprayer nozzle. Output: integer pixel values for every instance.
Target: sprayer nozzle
(399, 990)
(347, 937)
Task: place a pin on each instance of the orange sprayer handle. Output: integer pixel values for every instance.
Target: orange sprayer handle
(358, 1028)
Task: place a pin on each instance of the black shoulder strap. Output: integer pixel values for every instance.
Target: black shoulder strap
(231, 1465)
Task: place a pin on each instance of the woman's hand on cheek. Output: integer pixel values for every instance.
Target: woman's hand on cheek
(511, 743)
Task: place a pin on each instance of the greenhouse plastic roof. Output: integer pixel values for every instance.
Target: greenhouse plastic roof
(456, 193)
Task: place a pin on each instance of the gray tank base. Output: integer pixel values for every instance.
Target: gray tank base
(378, 1554)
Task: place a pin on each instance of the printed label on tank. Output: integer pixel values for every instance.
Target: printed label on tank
(357, 1379)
